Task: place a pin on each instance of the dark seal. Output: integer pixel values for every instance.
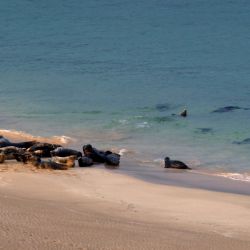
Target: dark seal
(6, 143)
(175, 164)
(63, 152)
(43, 149)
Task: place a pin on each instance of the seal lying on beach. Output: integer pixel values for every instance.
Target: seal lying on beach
(10, 152)
(23, 157)
(85, 162)
(175, 164)
(2, 158)
(113, 159)
(68, 160)
(43, 149)
(37, 162)
(63, 152)
(6, 143)
(99, 156)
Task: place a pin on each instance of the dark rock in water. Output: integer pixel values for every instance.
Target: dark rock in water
(161, 119)
(175, 164)
(228, 109)
(246, 141)
(162, 107)
(183, 113)
(204, 130)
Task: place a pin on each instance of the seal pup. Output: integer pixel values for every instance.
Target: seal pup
(175, 164)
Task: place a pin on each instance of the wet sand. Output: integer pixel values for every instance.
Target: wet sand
(97, 208)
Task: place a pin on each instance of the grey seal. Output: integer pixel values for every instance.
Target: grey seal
(4, 142)
(175, 164)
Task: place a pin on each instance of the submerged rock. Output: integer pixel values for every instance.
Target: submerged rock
(246, 141)
(228, 109)
(204, 130)
(162, 107)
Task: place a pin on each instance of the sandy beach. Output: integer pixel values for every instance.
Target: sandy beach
(98, 208)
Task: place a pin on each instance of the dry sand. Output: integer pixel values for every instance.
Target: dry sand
(96, 208)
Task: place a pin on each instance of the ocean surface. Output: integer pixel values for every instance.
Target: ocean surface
(113, 73)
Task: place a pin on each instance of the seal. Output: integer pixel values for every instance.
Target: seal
(43, 149)
(68, 160)
(4, 142)
(63, 152)
(38, 163)
(175, 164)
(183, 113)
(10, 152)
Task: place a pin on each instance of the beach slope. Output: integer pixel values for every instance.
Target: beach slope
(97, 208)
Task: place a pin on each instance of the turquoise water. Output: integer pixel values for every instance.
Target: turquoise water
(118, 70)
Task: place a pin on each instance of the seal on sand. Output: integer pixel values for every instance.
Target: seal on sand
(68, 160)
(10, 152)
(5, 143)
(63, 152)
(37, 162)
(43, 149)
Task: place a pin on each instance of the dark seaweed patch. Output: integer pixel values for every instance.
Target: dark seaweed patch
(204, 130)
(161, 119)
(228, 109)
(162, 107)
(244, 142)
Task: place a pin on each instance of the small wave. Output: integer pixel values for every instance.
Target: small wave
(125, 151)
(142, 125)
(236, 176)
(21, 135)
(123, 121)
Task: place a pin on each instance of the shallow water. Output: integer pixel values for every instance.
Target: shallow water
(112, 73)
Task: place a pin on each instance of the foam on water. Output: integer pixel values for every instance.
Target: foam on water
(236, 176)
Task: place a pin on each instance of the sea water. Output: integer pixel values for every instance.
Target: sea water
(117, 74)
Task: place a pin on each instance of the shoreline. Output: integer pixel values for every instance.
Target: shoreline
(147, 162)
(96, 208)
(196, 179)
